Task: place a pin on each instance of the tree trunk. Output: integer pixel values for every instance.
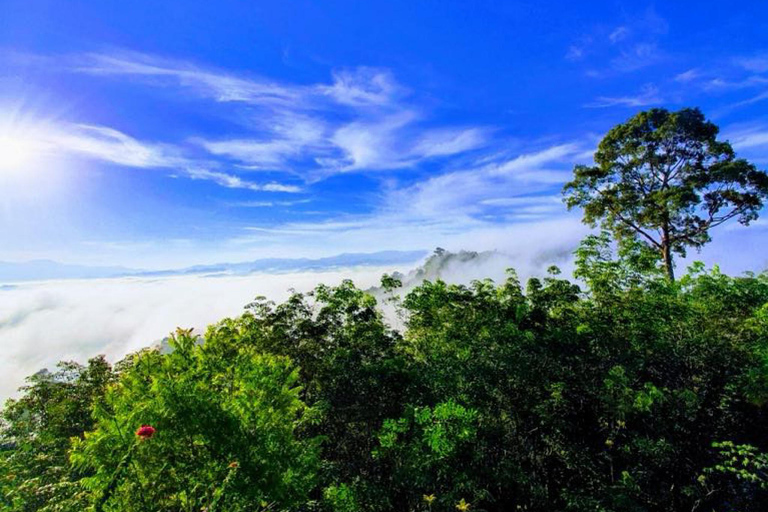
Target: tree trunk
(666, 247)
(666, 254)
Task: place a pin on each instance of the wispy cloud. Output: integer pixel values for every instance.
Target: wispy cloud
(530, 205)
(233, 181)
(578, 50)
(477, 205)
(219, 86)
(60, 139)
(289, 138)
(740, 80)
(108, 145)
(743, 103)
(391, 143)
(362, 120)
(721, 84)
(755, 63)
(751, 138)
(687, 76)
(636, 57)
(624, 48)
(447, 208)
(648, 96)
(363, 87)
(463, 192)
(266, 204)
(618, 34)
(741, 75)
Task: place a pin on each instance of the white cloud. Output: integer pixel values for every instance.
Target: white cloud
(369, 145)
(648, 96)
(448, 209)
(636, 57)
(392, 142)
(221, 87)
(110, 145)
(548, 202)
(363, 87)
(750, 139)
(360, 121)
(618, 34)
(749, 101)
(383, 143)
(463, 192)
(687, 76)
(625, 48)
(575, 53)
(755, 63)
(232, 181)
(92, 142)
(104, 144)
(449, 142)
(745, 83)
(258, 154)
(286, 138)
(266, 204)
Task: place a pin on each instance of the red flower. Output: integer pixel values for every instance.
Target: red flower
(145, 431)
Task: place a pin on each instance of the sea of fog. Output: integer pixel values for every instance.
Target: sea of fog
(44, 322)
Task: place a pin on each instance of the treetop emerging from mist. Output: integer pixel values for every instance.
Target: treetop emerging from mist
(664, 178)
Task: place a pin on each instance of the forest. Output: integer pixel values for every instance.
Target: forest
(625, 387)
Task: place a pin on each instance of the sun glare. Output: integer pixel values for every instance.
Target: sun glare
(22, 146)
(16, 154)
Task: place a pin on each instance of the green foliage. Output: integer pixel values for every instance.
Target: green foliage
(225, 418)
(350, 370)
(741, 472)
(663, 178)
(743, 462)
(341, 498)
(428, 447)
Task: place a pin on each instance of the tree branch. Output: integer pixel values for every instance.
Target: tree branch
(636, 228)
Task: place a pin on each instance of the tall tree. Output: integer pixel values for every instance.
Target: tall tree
(663, 177)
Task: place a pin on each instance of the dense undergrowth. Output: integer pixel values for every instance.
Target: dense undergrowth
(624, 392)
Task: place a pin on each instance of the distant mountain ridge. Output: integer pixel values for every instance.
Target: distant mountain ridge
(39, 270)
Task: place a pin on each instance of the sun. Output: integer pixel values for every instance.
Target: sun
(22, 146)
(16, 154)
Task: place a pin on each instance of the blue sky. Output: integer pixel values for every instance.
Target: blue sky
(161, 134)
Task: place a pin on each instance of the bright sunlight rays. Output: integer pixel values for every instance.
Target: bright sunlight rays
(16, 154)
(22, 146)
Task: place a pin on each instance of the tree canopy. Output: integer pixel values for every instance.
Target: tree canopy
(664, 178)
